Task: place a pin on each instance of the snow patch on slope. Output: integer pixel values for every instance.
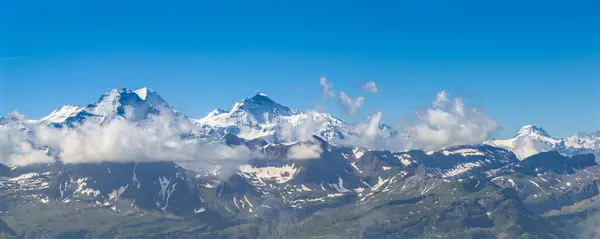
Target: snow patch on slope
(278, 174)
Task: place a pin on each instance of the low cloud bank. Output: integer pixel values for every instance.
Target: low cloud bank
(17, 149)
(304, 151)
(158, 138)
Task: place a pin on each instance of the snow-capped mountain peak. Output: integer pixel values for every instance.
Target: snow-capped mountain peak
(532, 140)
(260, 108)
(260, 116)
(142, 93)
(216, 112)
(123, 102)
(152, 97)
(529, 140)
(61, 114)
(532, 130)
(249, 118)
(583, 141)
(126, 97)
(116, 103)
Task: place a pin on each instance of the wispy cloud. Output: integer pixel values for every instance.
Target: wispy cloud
(441, 99)
(348, 104)
(326, 87)
(326, 92)
(370, 87)
(11, 58)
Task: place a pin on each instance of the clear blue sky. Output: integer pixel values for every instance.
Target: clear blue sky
(525, 62)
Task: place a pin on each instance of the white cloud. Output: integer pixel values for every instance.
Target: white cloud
(15, 149)
(304, 151)
(350, 106)
(302, 128)
(441, 99)
(528, 147)
(370, 87)
(326, 91)
(523, 147)
(373, 126)
(449, 122)
(374, 134)
(366, 134)
(165, 137)
(158, 138)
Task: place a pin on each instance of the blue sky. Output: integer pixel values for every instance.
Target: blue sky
(524, 62)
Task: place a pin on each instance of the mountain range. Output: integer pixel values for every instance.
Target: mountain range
(261, 117)
(307, 180)
(531, 140)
